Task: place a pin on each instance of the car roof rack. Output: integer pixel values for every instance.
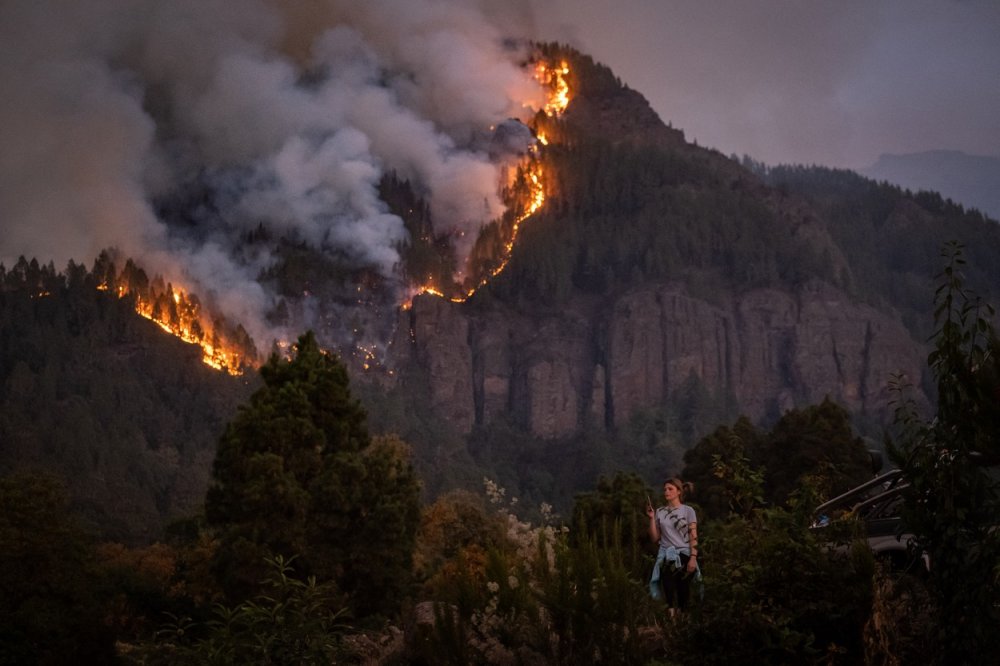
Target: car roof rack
(853, 493)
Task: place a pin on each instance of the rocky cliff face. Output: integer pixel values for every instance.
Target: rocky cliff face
(597, 360)
(594, 364)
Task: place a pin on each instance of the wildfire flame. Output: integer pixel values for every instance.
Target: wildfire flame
(180, 314)
(555, 79)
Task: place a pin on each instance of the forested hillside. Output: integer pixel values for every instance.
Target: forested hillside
(632, 202)
(630, 207)
(664, 288)
(971, 180)
(318, 540)
(100, 396)
(892, 238)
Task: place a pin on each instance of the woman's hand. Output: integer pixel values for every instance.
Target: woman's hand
(654, 529)
(692, 564)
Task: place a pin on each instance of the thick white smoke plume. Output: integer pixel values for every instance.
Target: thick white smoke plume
(287, 112)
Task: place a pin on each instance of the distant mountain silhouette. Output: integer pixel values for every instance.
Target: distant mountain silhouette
(970, 180)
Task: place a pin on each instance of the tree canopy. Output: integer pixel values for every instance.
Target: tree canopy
(98, 395)
(815, 441)
(296, 474)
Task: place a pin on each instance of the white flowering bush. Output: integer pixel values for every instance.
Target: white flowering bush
(534, 599)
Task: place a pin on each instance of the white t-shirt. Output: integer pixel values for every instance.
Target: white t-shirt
(673, 524)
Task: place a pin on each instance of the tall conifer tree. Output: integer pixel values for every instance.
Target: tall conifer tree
(296, 474)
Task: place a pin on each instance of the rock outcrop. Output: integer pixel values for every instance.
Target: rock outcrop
(596, 364)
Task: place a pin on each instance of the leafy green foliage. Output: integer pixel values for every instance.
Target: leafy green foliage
(773, 592)
(148, 583)
(297, 474)
(291, 622)
(455, 523)
(536, 598)
(719, 493)
(613, 517)
(952, 500)
(594, 605)
(811, 440)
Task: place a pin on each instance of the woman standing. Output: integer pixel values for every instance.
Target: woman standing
(675, 528)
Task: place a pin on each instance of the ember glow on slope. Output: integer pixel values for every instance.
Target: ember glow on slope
(830, 83)
(288, 113)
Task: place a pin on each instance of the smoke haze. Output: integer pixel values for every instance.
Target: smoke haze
(830, 83)
(287, 113)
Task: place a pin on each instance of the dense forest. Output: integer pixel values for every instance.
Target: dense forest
(892, 238)
(345, 521)
(631, 201)
(633, 205)
(313, 546)
(100, 396)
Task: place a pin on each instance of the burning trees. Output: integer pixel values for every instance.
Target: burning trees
(179, 313)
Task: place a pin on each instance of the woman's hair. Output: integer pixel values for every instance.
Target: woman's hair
(685, 487)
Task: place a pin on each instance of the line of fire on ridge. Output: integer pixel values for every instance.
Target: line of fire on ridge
(185, 320)
(555, 79)
(180, 314)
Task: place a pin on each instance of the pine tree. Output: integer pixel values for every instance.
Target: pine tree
(814, 440)
(296, 474)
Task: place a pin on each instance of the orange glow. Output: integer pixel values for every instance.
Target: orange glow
(554, 78)
(535, 200)
(181, 315)
(189, 329)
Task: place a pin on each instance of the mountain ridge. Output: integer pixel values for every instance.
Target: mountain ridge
(817, 267)
(971, 180)
(662, 289)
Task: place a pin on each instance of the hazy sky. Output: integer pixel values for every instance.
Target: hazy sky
(289, 112)
(826, 82)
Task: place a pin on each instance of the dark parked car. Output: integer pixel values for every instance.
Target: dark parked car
(877, 505)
